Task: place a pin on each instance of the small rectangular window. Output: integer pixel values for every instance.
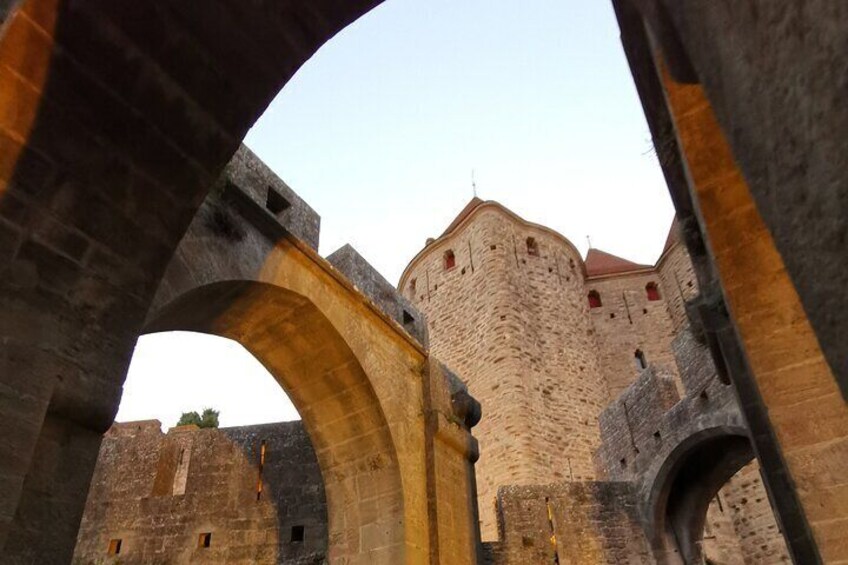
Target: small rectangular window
(297, 534)
(532, 246)
(115, 546)
(204, 540)
(449, 259)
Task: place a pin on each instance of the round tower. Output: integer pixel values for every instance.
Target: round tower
(506, 309)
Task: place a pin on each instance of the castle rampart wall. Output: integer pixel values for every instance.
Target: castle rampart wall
(157, 494)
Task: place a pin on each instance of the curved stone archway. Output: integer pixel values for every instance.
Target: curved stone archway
(340, 409)
(680, 489)
(365, 388)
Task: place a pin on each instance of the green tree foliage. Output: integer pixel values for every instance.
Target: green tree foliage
(208, 419)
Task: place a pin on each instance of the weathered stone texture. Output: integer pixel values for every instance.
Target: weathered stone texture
(273, 200)
(721, 543)
(626, 322)
(574, 523)
(382, 293)
(640, 426)
(679, 282)
(158, 493)
(747, 503)
(514, 325)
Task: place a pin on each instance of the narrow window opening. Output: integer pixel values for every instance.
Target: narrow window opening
(262, 449)
(644, 310)
(532, 246)
(204, 540)
(623, 462)
(115, 546)
(412, 284)
(641, 362)
(297, 534)
(493, 247)
(275, 202)
(657, 435)
(595, 299)
(450, 259)
(612, 315)
(652, 291)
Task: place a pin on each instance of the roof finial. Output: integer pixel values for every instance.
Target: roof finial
(473, 184)
(589, 240)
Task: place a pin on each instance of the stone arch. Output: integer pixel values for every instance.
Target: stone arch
(341, 413)
(681, 485)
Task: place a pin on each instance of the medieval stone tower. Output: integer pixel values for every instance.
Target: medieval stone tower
(506, 306)
(551, 345)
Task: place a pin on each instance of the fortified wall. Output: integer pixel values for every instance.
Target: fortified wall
(590, 375)
(591, 378)
(250, 494)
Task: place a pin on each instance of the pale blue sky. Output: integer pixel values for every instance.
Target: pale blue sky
(381, 129)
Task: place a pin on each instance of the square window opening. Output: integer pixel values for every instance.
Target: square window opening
(115, 546)
(297, 534)
(276, 202)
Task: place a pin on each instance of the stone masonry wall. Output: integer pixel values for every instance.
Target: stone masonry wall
(678, 283)
(721, 544)
(747, 503)
(627, 321)
(574, 523)
(515, 326)
(160, 494)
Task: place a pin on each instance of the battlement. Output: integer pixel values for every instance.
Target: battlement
(639, 425)
(254, 490)
(266, 200)
(572, 522)
(381, 292)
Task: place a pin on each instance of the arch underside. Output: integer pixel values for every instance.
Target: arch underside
(340, 410)
(688, 480)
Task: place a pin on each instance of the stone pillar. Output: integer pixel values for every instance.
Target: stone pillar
(52, 499)
(451, 452)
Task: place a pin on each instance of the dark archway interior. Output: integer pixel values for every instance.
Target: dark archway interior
(699, 474)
